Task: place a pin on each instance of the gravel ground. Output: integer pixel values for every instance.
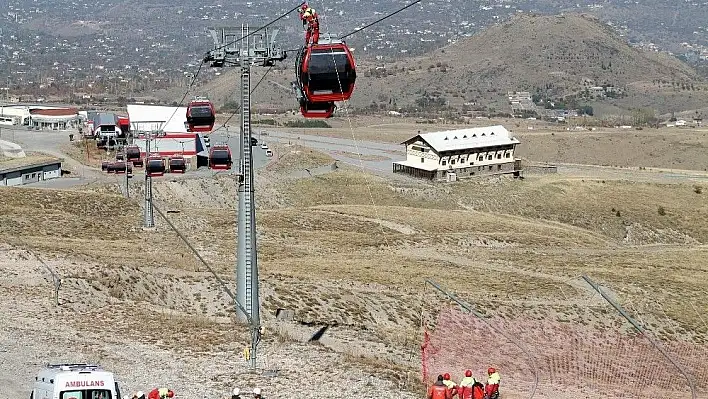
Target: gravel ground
(35, 332)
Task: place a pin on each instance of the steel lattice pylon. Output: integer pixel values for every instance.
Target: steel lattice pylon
(241, 47)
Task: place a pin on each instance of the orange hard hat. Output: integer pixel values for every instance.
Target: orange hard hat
(446, 376)
(468, 373)
(491, 370)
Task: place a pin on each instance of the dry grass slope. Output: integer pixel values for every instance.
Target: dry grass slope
(352, 251)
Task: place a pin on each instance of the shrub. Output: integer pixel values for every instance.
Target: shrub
(661, 211)
(308, 123)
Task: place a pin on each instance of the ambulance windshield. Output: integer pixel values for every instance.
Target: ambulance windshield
(87, 394)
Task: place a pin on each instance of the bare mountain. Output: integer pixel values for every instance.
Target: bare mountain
(559, 58)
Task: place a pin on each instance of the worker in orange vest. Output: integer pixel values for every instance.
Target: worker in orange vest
(450, 384)
(464, 391)
(439, 390)
(161, 393)
(491, 391)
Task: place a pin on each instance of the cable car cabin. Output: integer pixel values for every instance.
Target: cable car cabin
(124, 125)
(120, 167)
(132, 154)
(326, 71)
(317, 110)
(220, 157)
(155, 166)
(178, 164)
(200, 116)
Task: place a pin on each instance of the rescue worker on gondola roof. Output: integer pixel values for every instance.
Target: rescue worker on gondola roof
(306, 12)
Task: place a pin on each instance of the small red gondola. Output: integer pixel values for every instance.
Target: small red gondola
(132, 154)
(120, 167)
(124, 125)
(155, 166)
(326, 71)
(200, 115)
(220, 157)
(317, 110)
(178, 164)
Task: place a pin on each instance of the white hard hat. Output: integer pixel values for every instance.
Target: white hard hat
(256, 391)
(237, 391)
(140, 393)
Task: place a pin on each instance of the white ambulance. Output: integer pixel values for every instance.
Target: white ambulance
(75, 381)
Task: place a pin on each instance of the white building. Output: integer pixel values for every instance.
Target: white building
(54, 118)
(465, 152)
(146, 118)
(21, 171)
(39, 116)
(16, 114)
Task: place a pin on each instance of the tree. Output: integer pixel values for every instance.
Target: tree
(586, 110)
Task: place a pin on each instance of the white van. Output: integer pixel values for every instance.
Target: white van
(75, 381)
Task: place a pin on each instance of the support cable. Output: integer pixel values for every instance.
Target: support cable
(643, 332)
(194, 80)
(381, 19)
(259, 29)
(356, 146)
(204, 262)
(466, 306)
(252, 90)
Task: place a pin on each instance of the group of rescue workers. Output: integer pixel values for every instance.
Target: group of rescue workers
(311, 21)
(468, 388)
(157, 393)
(164, 393)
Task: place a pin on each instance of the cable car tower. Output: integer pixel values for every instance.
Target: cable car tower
(245, 47)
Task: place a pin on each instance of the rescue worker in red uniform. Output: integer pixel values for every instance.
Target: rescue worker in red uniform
(491, 391)
(161, 393)
(439, 390)
(450, 384)
(464, 391)
(302, 11)
(312, 34)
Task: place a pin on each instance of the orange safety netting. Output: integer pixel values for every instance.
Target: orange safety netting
(571, 360)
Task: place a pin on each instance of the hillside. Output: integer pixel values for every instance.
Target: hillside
(554, 56)
(351, 251)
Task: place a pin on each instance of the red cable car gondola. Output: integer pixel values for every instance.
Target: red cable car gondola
(220, 157)
(155, 166)
(132, 154)
(326, 72)
(200, 115)
(120, 167)
(178, 164)
(317, 110)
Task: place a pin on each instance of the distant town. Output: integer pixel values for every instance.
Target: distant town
(118, 48)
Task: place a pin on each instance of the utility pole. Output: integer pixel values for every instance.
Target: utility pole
(149, 220)
(241, 47)
(125, 159)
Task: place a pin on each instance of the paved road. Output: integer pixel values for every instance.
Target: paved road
(337, 146)
(232, 136)
(375, 157)
(50, 142)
